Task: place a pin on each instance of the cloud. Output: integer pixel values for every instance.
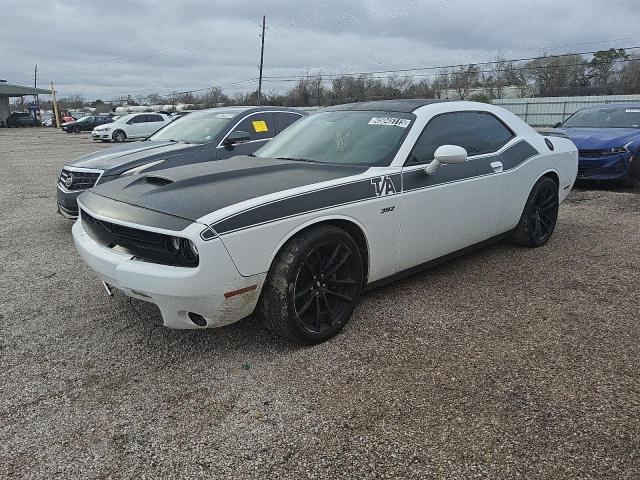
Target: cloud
(110, 49)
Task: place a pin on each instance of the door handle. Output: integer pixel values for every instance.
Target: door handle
(497, 167)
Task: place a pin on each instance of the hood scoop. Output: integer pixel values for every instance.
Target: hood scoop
(157, 181)
(152, 180)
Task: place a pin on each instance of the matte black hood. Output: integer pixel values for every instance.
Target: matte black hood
(116, 160)
(192, 191)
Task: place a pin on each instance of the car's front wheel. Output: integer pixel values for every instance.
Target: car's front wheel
(77, 129)
(313, 285)
(538, 220)
(119, 136)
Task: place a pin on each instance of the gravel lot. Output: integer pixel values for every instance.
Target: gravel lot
(505, 363)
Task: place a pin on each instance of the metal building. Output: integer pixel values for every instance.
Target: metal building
(8, 90)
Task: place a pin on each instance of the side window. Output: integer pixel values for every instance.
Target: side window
(260, 126)
(155, 118)
(477, 132)
(283, 120)
(139, 119)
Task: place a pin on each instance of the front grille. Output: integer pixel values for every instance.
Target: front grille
(593, 153)
(588, 170)
(73, 180)
(141, 244)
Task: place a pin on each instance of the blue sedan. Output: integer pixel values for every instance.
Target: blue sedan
(608, 141)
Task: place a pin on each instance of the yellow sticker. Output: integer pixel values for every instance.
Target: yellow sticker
(260, 126)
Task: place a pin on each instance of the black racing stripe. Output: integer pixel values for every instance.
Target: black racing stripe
(517, 154)
(510, 158)
(364, 190)
(316, 200)
(115, 210)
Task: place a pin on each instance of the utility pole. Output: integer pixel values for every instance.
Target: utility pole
(55, 105)
(264, 19)
(35, 85)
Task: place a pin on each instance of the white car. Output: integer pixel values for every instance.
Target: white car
(135, 125)
(343, 200)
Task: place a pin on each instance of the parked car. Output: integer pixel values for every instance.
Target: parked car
(343, 200)
(133, 126)
(198, 137)
(608, 141)
(85, 124)
(20, 119)
(67, 118)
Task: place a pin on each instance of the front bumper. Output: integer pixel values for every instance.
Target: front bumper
(611, 168)
(177, 291)
(101, 135)
(68, 202)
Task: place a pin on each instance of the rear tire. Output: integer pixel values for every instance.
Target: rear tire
(119, 136)
(538, 220)
(313, 286)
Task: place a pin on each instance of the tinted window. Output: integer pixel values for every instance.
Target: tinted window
(155, 118)
(476, 132)
(259, 126)
(285, 119)
(139, 119)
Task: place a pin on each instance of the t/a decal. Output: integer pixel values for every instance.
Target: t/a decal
(383, 186)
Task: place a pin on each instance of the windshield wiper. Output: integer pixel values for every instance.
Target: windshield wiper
(295, 159)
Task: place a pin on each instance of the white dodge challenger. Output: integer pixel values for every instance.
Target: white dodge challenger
(342, 201)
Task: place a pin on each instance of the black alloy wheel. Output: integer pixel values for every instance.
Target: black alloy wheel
(538, 220)
(77, 129)
(325, 286)
(313, 285)
(544, 214)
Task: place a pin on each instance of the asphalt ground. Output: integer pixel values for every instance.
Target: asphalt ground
(504, 363)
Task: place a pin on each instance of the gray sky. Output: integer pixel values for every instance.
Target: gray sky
(114, 47)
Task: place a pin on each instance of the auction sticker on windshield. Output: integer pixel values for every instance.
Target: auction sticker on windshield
(397, 122)
(260, 126)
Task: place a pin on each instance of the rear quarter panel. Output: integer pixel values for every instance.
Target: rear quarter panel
(562, 160)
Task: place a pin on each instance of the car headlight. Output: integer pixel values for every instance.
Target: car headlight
(140, 168)
(182, 246)
(618, 150)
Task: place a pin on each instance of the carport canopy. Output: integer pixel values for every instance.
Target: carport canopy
(8, 90)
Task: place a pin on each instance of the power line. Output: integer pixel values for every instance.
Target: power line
(440, 67)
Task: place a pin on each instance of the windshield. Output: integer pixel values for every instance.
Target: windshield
(342, 137)
(123, 119)
(611, 117)
(195, 127)
(82, 119)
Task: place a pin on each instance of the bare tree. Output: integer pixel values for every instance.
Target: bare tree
(464, 80)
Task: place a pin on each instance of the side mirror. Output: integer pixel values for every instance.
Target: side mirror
(556, 125)
(446, 154)
(236, 137)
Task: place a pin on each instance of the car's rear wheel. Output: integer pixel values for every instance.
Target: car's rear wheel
(313, 286)
(538, 220)
(119, 136)
(77, 129)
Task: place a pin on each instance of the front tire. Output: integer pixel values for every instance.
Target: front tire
(538, 220)
(119, 136)
(76, 129)
(313, 286)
